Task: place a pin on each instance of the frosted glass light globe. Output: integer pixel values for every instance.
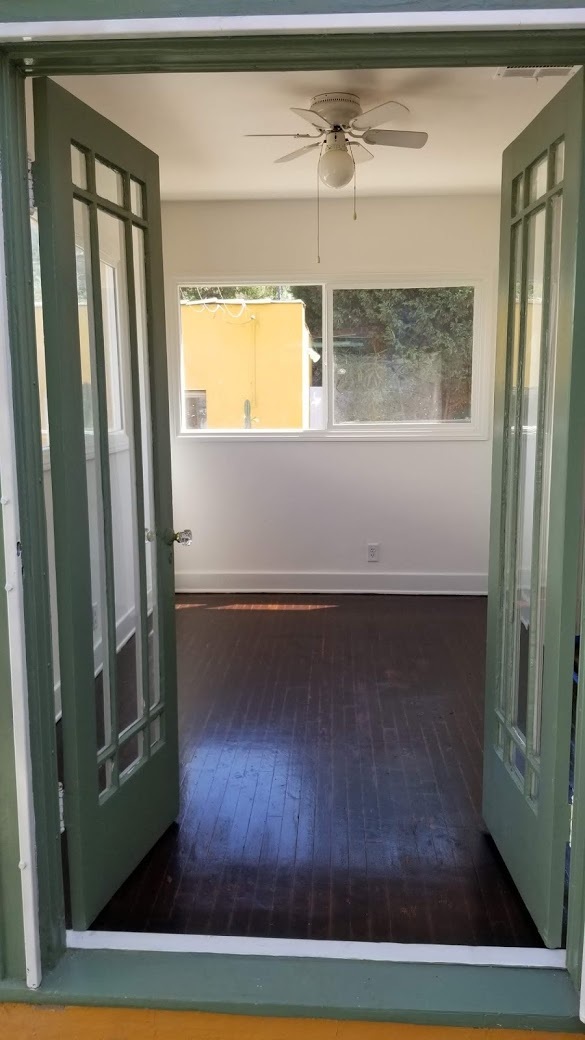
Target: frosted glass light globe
(336, 163)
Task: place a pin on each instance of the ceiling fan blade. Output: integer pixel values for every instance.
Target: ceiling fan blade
(360, 154)
(312, 117)
(396, 138)
(298, 136)
(390, 110)
(297, 152)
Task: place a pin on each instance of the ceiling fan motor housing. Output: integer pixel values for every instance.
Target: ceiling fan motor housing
(338, 109)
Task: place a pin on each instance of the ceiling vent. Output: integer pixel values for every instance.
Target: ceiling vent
(534, 71)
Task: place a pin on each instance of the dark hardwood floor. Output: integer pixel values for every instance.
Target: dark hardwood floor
(331, 756)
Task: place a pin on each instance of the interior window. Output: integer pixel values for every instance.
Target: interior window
(402, 355)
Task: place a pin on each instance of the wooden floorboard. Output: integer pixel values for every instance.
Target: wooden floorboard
(331, 760)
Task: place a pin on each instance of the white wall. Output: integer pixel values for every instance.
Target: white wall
(297, 515)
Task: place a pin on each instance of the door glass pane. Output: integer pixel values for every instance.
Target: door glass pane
(106, 776)
(130, 753)
(517, 194)
(87, 346)
(125, 597)
(109, 183)
(559, 162)
(78, 167)
(147, 466)
(527, 463)
(545, 452)
(155, 731)
(513, 376)
(109, 275)
(538, 179)
(136, 197)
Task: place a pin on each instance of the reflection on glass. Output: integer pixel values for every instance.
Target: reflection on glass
(559, 162)
(112, 363)
(251, 357)
(40, 335)
(48, 489)
(517, 194)
(545, 452)
(155, 731)
(87, 346)
(78, 167)
(147, 465)
(518, 761)
(402, 355)
(512, 423)
(126, 592)
(136, 204)
(105, 776)
(130, 753)
(538, 179)
(528, 461)
(109, 183)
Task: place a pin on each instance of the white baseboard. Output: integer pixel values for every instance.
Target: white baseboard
(466, 584)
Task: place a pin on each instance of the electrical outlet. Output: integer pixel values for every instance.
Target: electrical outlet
(94, 614)
(373, 552)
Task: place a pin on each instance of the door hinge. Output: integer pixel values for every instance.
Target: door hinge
(32, 202)
(571, 822)
(61, 807)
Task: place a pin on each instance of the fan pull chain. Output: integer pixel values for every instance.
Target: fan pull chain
(354, 189)
(319, 209)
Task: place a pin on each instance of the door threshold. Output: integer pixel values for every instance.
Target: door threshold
(249, 946)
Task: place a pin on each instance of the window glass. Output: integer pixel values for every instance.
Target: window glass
(251, 357)
(196, 409)
(402, 355)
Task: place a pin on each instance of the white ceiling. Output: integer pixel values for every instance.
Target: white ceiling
(196, 123)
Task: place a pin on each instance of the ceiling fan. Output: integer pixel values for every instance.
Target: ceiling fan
(344, 130)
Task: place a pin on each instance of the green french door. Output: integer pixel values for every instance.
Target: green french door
(537, 505)
(98, 204)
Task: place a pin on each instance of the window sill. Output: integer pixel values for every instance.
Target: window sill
(448, 432)
(431, 994)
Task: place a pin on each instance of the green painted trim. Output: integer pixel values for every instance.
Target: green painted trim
(269, 53)
(33, 528)
(11, 936)
(448, 995)
(56, 10)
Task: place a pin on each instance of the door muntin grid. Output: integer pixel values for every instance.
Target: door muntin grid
(535, 230)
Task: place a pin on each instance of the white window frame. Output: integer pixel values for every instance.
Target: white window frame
(477, 428)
